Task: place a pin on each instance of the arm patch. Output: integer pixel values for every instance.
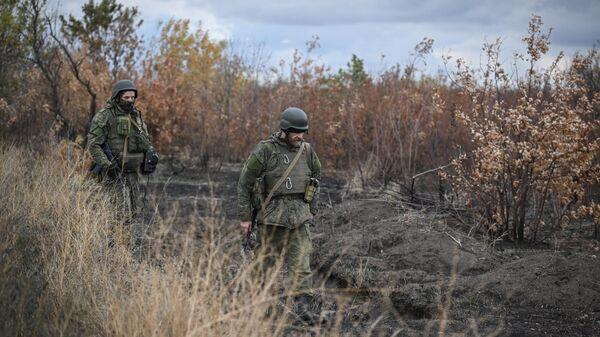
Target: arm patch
(253, 163)
(316, 164)
(99, 122)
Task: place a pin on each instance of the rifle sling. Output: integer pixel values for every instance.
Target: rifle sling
(282, 179)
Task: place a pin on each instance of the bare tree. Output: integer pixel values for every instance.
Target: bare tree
(45, 55)
(104, 36)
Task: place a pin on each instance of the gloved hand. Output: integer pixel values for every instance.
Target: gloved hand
(99, 171)
(150, 161)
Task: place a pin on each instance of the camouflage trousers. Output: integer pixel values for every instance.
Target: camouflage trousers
(290, 246)
(129, 197)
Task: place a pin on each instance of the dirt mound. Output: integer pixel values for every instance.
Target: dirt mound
(406, 263)
(402, 270)
(389, 244)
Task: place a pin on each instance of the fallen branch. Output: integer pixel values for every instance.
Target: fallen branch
(432, 170)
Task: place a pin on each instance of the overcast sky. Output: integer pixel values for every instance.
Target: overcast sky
(372, 28)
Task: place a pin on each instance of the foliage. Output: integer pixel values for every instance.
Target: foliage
(214, 100)
(355, 73)
(177, 88)
(533, 154)
(12, 51)
(107, 32)
(103, 41)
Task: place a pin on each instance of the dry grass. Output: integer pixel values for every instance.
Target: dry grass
(67, 269)
(61, 275)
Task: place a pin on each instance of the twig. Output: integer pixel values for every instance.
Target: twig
(432, 170)
(454, 239)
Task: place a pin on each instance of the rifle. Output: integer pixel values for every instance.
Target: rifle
(97, 169)
(250, 240)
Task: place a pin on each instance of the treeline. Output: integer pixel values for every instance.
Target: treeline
(214, 100)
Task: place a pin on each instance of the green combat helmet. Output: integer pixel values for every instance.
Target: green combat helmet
(293, 119)
(123, 85)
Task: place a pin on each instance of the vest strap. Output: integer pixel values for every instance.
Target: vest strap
(283, 177)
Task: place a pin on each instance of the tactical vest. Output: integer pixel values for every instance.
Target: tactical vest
(297, 180)
(123, 127)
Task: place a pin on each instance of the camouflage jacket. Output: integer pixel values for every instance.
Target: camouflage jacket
(115, 126)
(267, 162)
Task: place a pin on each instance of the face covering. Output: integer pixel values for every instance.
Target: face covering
(126, 105)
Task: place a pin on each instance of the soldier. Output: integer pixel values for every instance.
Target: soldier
(120, 148)
(286, 171)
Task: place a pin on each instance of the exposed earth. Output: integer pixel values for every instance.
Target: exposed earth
(388, 269)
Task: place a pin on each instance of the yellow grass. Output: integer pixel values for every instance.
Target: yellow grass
(61, 277)
(67, 268)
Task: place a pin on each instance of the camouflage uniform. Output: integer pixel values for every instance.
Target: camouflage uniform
(283, 228)
(127, 136)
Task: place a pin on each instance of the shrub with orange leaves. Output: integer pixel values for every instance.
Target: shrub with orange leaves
(532, 159)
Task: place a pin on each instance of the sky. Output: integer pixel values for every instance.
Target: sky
(381, 32)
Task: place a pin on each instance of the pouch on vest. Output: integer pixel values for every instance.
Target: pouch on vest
(311, 188)
(123, 126)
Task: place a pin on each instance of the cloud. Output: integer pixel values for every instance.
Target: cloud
(370, 28)
(161, 10)
(155, 11)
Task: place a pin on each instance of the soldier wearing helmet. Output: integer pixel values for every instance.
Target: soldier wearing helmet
(277, 191)
(120, 147)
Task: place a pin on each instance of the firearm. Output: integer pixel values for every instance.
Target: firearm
(97, 169)
(250, 239)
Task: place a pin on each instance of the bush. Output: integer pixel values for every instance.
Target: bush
(534, 150)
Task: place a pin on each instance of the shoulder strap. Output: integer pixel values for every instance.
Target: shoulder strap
(138, 126)
(283, 177)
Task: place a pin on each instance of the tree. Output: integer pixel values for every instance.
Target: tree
(177, 81)
(105, 37)
(421, 50)
(46, 56)
(355, 72)
(533, 158)
(12, 50)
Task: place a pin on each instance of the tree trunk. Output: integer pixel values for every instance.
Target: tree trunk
(520, 230)
(514, 229)
(93, 106)
(65, 128)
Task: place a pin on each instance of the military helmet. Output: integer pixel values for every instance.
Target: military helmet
(293, 119)
(123, 85)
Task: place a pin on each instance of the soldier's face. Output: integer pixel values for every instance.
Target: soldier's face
(128, 96)
(295, 138)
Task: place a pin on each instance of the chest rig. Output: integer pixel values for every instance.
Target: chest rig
(298, 178)
(127, 139)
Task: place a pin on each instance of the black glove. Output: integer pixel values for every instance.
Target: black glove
(150, 161)
(98, 169)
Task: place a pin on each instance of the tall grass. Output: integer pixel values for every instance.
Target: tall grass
(67, 269)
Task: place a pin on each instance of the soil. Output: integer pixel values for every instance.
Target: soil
(390, 269)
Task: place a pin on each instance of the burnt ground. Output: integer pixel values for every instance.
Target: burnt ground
(385, 268)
